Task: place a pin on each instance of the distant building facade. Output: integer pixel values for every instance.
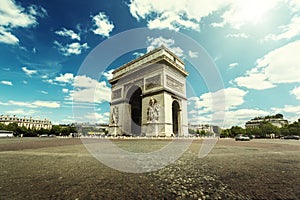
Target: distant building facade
(87, 129)
(275, 121)
(29, 123)
(207, 128)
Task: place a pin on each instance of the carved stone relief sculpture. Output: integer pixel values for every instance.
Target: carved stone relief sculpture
(115, 115)
(153, 111)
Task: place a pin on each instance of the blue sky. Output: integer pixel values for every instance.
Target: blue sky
(254, 45)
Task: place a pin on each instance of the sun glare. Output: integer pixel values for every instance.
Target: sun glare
(252, 11)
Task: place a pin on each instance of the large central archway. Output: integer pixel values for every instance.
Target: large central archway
(135, 102)
(175, 117)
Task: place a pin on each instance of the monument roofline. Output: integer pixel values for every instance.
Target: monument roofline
(156, 55)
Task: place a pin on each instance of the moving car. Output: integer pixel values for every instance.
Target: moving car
(241, 137)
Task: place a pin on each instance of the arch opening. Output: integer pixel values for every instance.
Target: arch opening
(175, 117)
(135, 103)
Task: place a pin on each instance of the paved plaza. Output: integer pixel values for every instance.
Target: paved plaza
(61, 168)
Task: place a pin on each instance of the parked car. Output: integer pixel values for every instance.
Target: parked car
(44, 135)
(52, 135)
(291, 137)
(242, 138)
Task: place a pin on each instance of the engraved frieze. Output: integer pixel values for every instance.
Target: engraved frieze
(117, 94)
(174, 84)
(153, 82)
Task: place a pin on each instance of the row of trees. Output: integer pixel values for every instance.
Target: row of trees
(58, 130)
(264, 130)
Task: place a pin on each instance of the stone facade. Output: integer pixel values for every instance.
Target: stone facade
(149, 96)
(255, 123)
(26, 122)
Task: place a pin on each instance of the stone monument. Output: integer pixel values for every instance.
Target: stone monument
(149, 96)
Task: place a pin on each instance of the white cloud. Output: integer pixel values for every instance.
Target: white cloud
(294, 5)
(50, 81)
(296, 92)
(240, 116)
(74, 48)
(35, 104)
(243, 12)
(232, 65)
(19, 103)
(65, 78)
(68, 33)
(47, 104)
(37, 11)
(102, 25)
(6, 83)
(177, 14)
(193, 54)
(173, 14)
(7, 37)
(159, 41)
(137, 54)
(237, 35)
(254, 79)
(172, 21)
(44, 92)
(93, 117)
(65, 90)
(290, 30)
(292, 109)
(227, 119)
(100, 118)
(278, 66)
(217, 107)
(89, 90)
(20, 112)
(29, 72)
(108, 74)
(13, 15)
(221, 100)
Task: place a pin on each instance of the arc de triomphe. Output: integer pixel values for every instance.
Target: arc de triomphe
(149, 96)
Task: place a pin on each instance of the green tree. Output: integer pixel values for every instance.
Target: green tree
(192, 131)
(279, 115)
(21, 130)
(225, 133)
(12, 127)
(65, 131)
(294, 128)
(267, 129)
(254, 131)
(56, 130)
(2, 126)
(284, 131)
(31, 133)
(43, 132)
(202, 133)
(236, 130)
(293, 131)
